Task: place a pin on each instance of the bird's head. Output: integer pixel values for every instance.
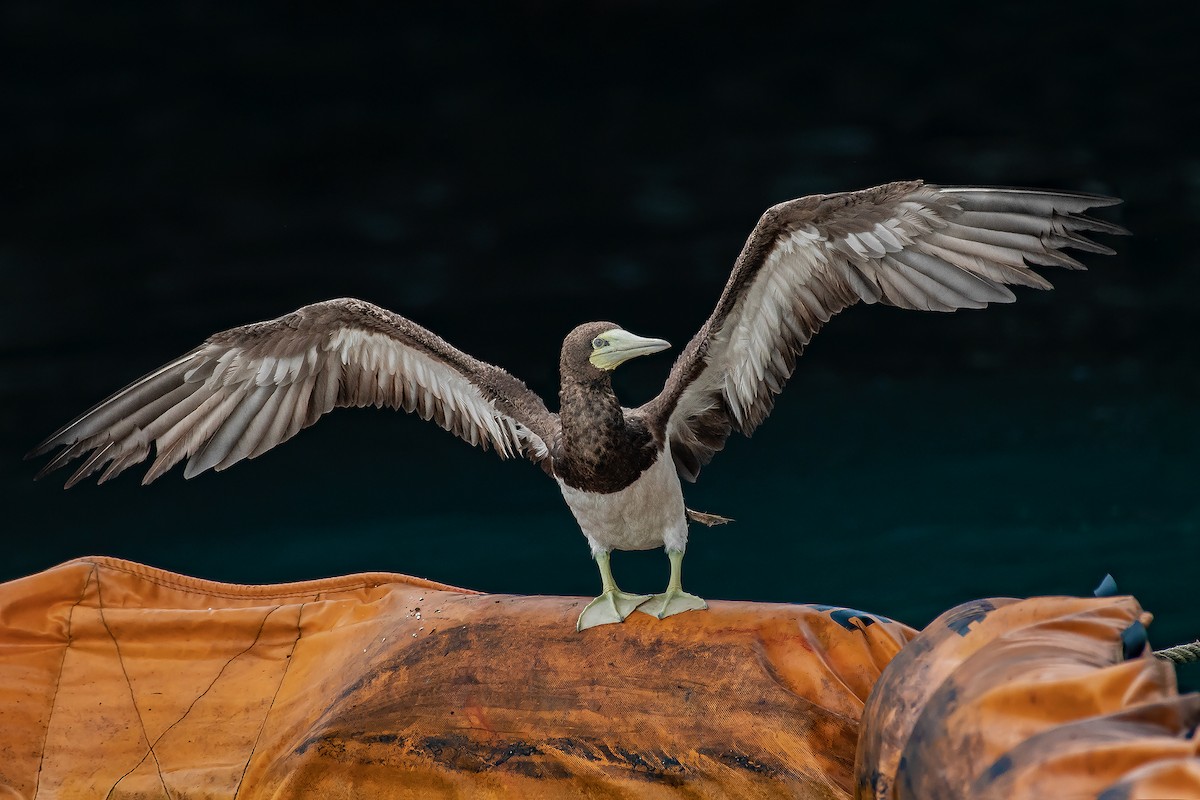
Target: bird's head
(604, 346)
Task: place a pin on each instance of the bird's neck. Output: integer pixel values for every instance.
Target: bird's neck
(591, 414)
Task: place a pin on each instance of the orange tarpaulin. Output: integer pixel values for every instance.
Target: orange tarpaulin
(1051, 697)
(122, 681)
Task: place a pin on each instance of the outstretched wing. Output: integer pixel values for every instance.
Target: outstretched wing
(247, 389)
(910, 244)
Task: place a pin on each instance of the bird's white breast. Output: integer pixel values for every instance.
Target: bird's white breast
(647, 513)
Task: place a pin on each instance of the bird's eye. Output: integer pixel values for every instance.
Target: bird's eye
(597, 343)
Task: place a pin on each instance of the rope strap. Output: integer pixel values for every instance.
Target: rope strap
(1181, 654)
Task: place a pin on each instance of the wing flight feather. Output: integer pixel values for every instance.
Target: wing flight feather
(909, 244)
(251, 388)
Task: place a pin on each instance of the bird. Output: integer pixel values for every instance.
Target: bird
(909, 244)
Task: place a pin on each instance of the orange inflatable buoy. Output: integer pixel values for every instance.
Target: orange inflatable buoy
(1051, 697)
(122, 681)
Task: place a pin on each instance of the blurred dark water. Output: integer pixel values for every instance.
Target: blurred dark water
(502, 175)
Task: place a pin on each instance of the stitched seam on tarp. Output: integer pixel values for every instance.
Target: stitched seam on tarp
(252, 591)
(274, 697)
(132, 697)
(199, 586)
(192, 583)
(58, 682)
(258, 635)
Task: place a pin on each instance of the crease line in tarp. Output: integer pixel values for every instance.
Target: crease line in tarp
(132, 697)
(37, 783)
(263, 725)
(257, 636)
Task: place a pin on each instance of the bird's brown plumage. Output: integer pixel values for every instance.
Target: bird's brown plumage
(602, 447)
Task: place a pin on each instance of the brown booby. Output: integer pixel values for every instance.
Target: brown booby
(908, 244)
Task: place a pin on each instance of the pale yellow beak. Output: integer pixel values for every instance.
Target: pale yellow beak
(618, 346)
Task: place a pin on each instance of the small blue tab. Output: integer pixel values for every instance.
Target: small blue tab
(1134, 640)
(1107, 587)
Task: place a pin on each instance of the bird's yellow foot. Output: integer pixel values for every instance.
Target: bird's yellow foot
(672, 601)
(612, 606)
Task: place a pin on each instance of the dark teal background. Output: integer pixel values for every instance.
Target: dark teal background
(501, 176)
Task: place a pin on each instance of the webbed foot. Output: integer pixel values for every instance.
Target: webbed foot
(610, 607)
(672, 601)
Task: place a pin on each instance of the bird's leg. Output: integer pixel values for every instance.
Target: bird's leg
(612, 605)
(674, 600)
